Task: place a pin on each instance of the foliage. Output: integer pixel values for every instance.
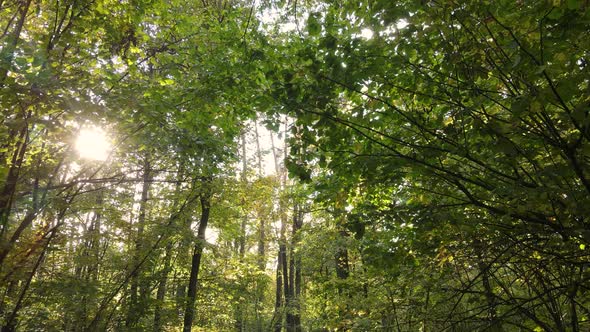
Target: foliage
(438, 154)
(458, 136)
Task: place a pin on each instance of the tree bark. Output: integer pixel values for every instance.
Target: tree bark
(262, 220)
(297, 261)
(294, 289)
(163, 280)
(282, 281)
(160, 295)
(244, 175)
(239, 315)
(278, 315)
(342, 268)
(7, 194)
(87, 268)
(258, 150)
(137, 301)
(196, 262)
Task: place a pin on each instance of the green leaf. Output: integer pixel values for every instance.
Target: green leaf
(166, 82)
(574, 4)
(580, 113)
(313, 25)
(519, 106)
(516, 61)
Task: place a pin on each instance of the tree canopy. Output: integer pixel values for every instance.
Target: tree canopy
(294, 166)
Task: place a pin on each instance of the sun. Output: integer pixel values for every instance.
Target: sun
(93, 144)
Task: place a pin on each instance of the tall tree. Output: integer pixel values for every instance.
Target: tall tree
(469, 118)
(138, 288)
(205, 200)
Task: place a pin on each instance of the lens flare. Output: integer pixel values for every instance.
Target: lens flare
(93, 144)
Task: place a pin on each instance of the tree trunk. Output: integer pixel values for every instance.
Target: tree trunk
(11, 46)
(11, 321)
(262, 219)
(282, 282)
(10, 293)
(244, 175)
(163, 280)
(294, 289)
(297, 265)
(196, 262)
(484, 268)
(258, 150)
(7, 194)
(137, 301)
(278, 314)
(87, 269)
(239, 325)
(342, 268)
(162, 289)
(277, 317)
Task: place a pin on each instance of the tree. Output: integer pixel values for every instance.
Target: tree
(469, 115)
(437, 161)
(113, 65)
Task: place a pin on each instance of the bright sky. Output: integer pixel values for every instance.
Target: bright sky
(367, 33)
(268, 163)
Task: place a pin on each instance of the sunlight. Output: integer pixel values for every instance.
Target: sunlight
(401, 24)
(367, 33)
(92, 143)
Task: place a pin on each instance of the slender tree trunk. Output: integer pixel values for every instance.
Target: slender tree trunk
(262, 219)
(7, 194)
(163, 280)
(23, 10)
(494, 324)
(162, 289)
(284, 268)
(239, 314)
(11, 322)
(282, 281)
(87, 269)
(38, 202)
(261, 259)
(196, 262)
(573, 313)
(242, 243)
(342, 267)
(278, 314)
(137, 301)
(294, 289)
(342, 273)
(297, 224)
(290, 294)
(258, 150)
(10, 293)
(7, 245)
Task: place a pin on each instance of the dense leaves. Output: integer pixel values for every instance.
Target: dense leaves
(458, 136)
(438, 154)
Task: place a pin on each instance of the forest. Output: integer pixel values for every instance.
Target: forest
(284, 165)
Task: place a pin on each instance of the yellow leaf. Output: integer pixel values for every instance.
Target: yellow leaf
(166, 82)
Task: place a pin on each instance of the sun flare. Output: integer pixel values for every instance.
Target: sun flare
(92, 143)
